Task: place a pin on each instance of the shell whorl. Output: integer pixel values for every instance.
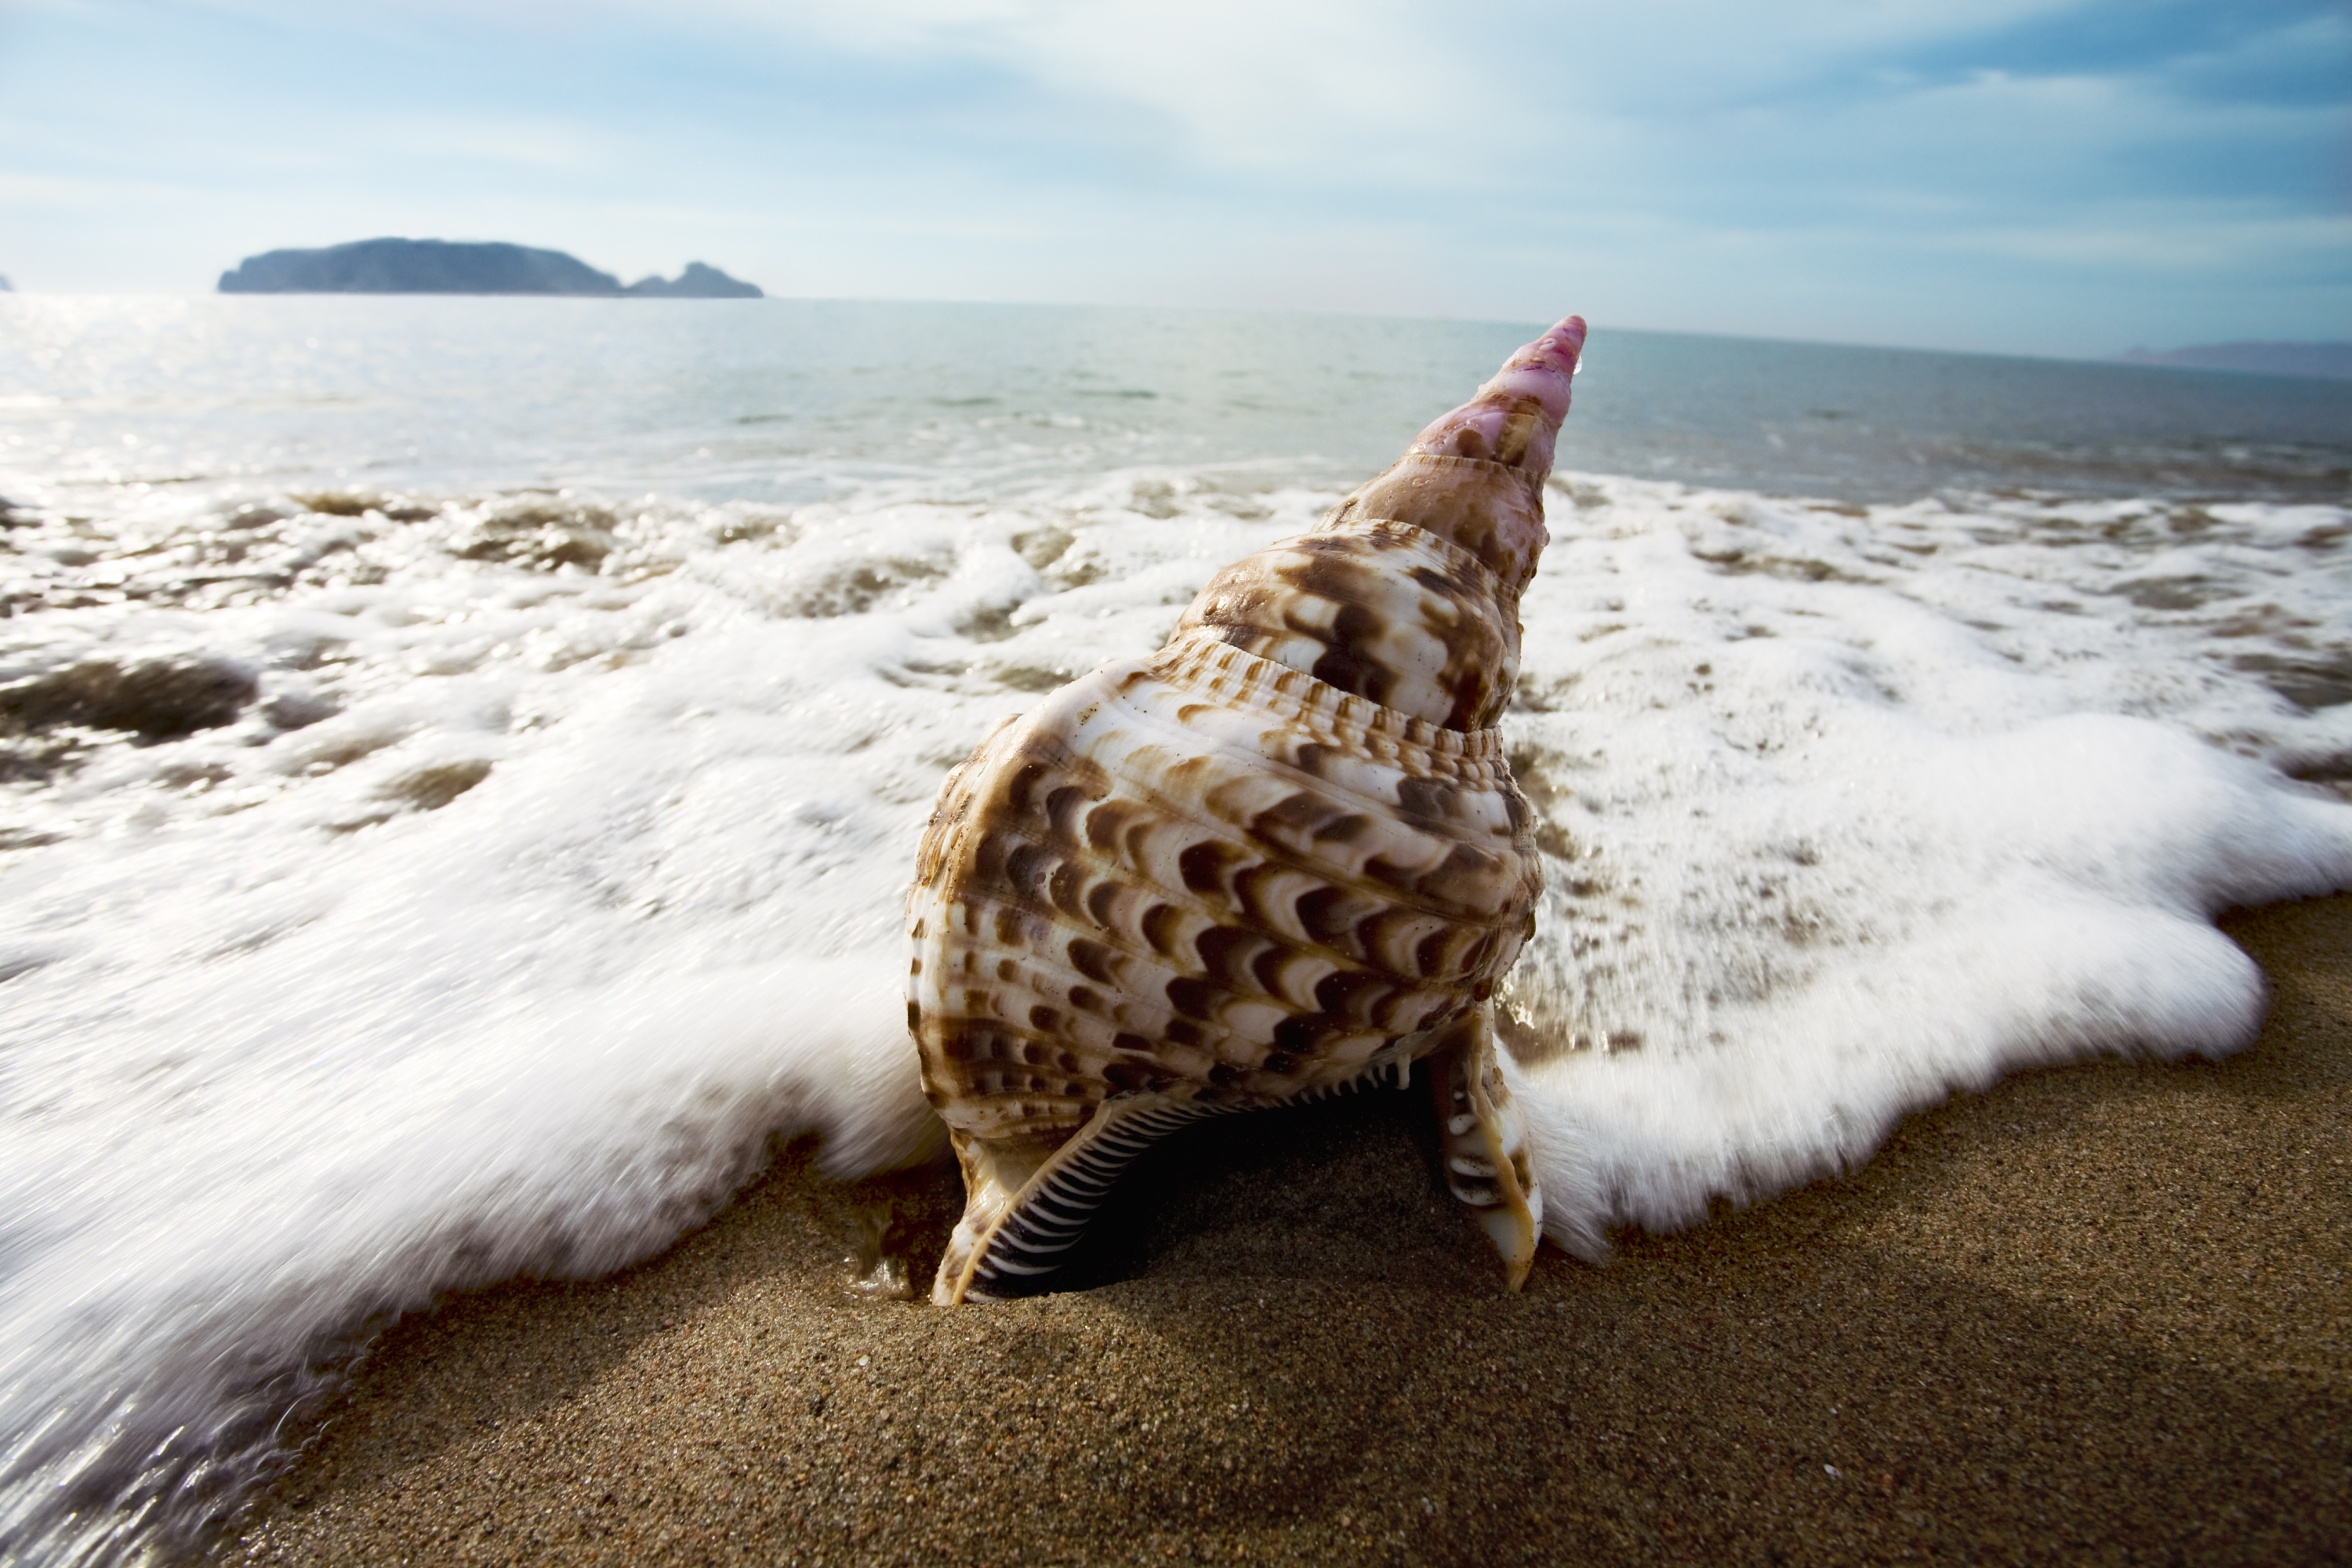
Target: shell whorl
(1206, 876)
(1377, 607)
(1281, 855)
(1487, 509)
(1436, 637)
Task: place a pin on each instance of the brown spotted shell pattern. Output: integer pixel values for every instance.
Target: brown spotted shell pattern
(1281, 855)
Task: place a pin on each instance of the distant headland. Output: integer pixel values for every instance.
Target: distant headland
(2333, 360)
(454, 267)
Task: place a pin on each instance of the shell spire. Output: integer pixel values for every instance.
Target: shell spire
(1513, 422)
(1281, 856)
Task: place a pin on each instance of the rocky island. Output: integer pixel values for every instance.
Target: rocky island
(698, 281)
(454, 267)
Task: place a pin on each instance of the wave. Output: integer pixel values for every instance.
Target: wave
(408, 891)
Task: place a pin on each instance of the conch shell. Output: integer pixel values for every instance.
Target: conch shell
(1281, 855)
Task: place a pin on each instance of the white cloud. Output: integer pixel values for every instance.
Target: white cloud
(1704, 163)
(526, 142)
(1344, 90)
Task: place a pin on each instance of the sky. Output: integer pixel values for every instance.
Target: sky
(2063, 177)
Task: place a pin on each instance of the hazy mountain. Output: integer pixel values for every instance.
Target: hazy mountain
(417, 267)
(698, 281)
(2330, 360)
(451, 266)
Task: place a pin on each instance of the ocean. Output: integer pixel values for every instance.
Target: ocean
(460, 761)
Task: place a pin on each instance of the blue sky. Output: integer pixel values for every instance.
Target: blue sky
(2008, 175)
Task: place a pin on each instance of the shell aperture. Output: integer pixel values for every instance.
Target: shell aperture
(1281, 855)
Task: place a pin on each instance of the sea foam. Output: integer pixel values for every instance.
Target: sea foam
(1845, 813)
(551, 868)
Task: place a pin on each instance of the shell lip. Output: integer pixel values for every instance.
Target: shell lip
(1186, 656)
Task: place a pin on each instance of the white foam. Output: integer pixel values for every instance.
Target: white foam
(589, 881)
(1848, 813)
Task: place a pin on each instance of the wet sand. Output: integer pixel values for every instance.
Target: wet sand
(2101, 1313)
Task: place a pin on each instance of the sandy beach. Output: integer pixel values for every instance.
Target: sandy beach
(2101, 1313)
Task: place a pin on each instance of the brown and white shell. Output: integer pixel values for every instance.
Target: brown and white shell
(1281, 855)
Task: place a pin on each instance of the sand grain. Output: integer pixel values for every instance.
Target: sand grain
(2100, 1313)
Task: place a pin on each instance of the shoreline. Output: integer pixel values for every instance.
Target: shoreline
(2097, 1311)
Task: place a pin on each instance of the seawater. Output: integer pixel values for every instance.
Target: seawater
(459, 762)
